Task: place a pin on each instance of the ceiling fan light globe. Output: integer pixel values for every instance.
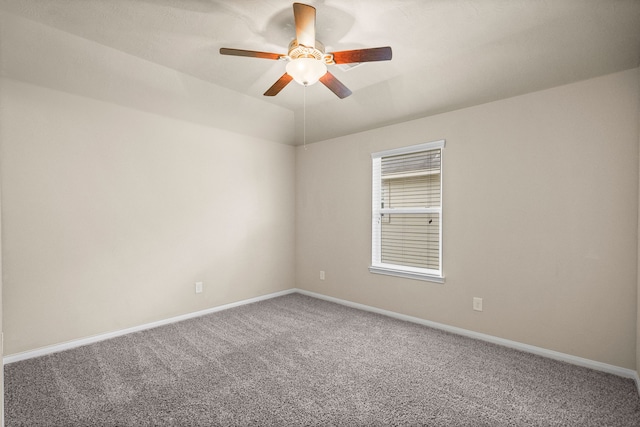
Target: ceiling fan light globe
(306, 71)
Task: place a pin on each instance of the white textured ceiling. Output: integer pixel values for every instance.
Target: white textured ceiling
(162, 56)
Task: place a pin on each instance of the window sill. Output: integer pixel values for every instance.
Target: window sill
(406, 274)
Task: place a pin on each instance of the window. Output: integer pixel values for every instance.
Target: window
(407, 212)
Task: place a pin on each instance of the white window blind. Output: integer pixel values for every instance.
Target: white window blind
(407, 212)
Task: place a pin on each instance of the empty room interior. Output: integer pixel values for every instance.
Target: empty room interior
(146, 180)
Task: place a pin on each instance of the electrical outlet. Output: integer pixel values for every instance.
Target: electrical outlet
(321, 274)
(477, 304)
(198, 287)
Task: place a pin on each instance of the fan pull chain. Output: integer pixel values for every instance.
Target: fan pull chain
(304, 117)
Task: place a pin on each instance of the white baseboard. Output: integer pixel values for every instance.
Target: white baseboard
(101, 337)
(574, 360)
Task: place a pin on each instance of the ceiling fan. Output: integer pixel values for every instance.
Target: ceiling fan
(307, 60)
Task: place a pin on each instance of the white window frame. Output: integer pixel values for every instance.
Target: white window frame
(378, 267)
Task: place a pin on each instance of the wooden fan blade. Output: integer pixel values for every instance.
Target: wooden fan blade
(249, 53)
(305, 17)
(362, 55)
(335, 85)
(279, 85)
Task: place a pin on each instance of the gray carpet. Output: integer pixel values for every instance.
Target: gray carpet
(296, 360)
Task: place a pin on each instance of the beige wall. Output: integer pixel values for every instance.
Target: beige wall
(540, 212)
(111, 214)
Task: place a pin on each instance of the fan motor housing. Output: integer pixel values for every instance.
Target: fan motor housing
(297, 50)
